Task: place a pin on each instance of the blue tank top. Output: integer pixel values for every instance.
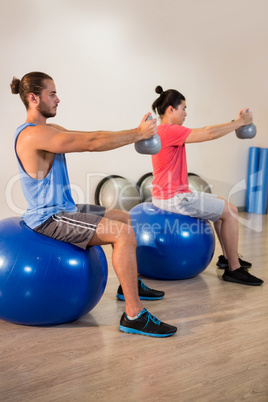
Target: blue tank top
(48, 196)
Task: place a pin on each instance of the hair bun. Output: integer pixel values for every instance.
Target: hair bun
(159, 90)
(15, 85)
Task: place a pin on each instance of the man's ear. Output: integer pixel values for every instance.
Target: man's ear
(170, 109)
(33, 98)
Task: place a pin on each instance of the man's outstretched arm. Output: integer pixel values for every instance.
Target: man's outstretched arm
(56, 139)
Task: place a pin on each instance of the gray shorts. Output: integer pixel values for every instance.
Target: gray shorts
(195, 204)
(76, 228)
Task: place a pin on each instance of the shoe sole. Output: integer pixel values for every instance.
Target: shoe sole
(230, 279)
(122, 297)
(137, 332)
(223, 266)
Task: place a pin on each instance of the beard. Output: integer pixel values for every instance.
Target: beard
(46, 111)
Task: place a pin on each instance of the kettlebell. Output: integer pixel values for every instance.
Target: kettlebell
(246, 132)
(150, 146)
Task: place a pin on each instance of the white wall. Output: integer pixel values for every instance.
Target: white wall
(107, 56)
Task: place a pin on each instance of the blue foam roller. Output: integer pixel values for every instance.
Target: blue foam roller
(262, 183)
(253, 164)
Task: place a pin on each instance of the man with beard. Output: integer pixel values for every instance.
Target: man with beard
(40, 151)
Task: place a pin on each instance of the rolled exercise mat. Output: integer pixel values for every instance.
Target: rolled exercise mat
(261, 198)
(253, 165)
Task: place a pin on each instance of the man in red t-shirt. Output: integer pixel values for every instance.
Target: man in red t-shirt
(170, 182)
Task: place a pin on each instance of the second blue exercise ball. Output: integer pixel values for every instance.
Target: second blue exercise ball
(169, 245)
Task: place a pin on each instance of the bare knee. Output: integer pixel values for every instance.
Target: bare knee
(233, 210)
(230, 211)
(127, 235)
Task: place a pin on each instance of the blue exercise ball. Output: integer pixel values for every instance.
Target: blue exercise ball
(169, 245)
(45, 281)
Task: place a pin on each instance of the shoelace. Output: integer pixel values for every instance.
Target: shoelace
(143, 286)
(245, 269)
(149, 317)
(154, 319)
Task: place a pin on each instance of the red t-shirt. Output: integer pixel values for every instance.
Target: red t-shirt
(170, 165)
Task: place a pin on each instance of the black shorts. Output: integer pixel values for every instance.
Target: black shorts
(76, 228)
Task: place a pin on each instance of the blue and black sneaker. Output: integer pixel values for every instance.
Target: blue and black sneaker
(145, 292)
(146, 324)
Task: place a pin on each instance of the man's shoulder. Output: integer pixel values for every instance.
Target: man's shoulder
(56, 127)
(23, 128)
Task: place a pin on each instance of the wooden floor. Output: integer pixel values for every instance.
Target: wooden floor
(220, 352)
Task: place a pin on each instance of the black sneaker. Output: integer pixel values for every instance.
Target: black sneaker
(145, 292)
(146, 324)
(223, 263)
(241, 275)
